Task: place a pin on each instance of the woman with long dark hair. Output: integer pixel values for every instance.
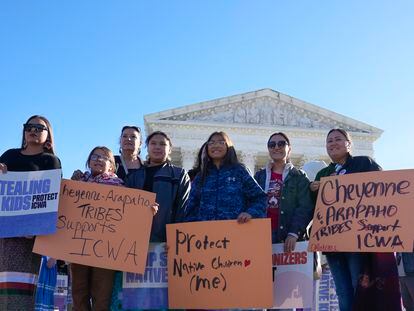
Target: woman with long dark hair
(363, 281)
(224, 188)
(18, 265)
(290, 205)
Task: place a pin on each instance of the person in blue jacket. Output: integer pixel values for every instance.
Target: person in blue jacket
(289, 201)
(224, 189)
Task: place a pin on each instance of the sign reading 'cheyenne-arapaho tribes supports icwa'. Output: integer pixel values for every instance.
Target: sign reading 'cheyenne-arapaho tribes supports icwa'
(220, 264)
(102, 226)
(365, 212)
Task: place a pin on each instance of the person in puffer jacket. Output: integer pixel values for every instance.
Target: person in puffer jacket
(224, 189)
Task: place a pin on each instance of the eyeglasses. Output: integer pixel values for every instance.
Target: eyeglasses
(98, 157)
(279, 144)
(37, 127)
(216, 142)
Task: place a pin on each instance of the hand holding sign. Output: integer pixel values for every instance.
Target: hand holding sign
(364, 212)
(100, 225)
(219, 264)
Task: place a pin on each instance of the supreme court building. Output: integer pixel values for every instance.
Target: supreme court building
(249, 119)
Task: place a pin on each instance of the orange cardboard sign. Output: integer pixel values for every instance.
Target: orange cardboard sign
(220, 264)
(101, 225)
(365, 212)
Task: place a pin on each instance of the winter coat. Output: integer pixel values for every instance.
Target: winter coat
(296, 206)
(172, 187)
(225, 193)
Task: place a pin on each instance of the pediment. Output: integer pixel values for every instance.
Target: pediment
(264, 108)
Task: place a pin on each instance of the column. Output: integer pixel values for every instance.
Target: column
(248, 158)
(187, 158)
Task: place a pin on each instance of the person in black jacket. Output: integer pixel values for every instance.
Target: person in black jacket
(18, 264)
(352, 270)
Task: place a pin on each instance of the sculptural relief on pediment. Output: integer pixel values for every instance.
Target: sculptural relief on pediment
(265, 111)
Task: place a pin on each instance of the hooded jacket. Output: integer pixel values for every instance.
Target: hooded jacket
(296, 206)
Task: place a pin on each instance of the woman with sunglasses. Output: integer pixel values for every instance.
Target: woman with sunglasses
(18, 265)
(289, 203)
(129, 151)
(224, 188)
(349, 269)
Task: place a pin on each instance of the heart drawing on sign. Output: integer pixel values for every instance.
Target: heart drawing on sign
(246, 262)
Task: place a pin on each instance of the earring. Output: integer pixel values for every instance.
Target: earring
(47, 145)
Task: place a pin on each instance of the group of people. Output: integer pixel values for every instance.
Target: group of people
(221, 188)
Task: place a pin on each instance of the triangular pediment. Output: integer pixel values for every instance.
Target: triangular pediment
(264, 108)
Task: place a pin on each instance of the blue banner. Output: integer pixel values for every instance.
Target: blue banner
(29, 202)
(148, 290)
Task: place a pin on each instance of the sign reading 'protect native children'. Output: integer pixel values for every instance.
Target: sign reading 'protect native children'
(220, 264)
(365, 212)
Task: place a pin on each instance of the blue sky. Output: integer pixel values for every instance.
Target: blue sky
(93, 66)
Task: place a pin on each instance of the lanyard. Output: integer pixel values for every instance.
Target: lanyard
(124, 164)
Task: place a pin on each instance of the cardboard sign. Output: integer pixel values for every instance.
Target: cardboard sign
(101, 225)
(292, 277)
(148, 290)
(220, 264)
(29, 202)
(365, 212)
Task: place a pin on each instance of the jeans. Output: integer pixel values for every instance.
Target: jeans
(346, 269)
(407, 292)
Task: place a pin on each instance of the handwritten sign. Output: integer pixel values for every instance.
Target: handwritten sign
(365, 212)
(150, 289)
(29, 202)
(101, 225)
(292, 277)
(220, 264)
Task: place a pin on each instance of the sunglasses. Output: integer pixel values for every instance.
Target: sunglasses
(280, 144)
(37, 127)
(98, 157)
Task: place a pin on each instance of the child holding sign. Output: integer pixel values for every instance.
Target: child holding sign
(93, 284)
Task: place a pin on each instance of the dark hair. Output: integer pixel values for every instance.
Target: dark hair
(157, 133)
(107, 152)
(280, 134)
(197, 164)
(343, 132)
(284, 136)
(163, 134)
(48, 146)
(229, 159)
(135, 128)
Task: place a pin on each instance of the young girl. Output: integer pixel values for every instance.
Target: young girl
(224, 189)
(18, 265)
(93, 285)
